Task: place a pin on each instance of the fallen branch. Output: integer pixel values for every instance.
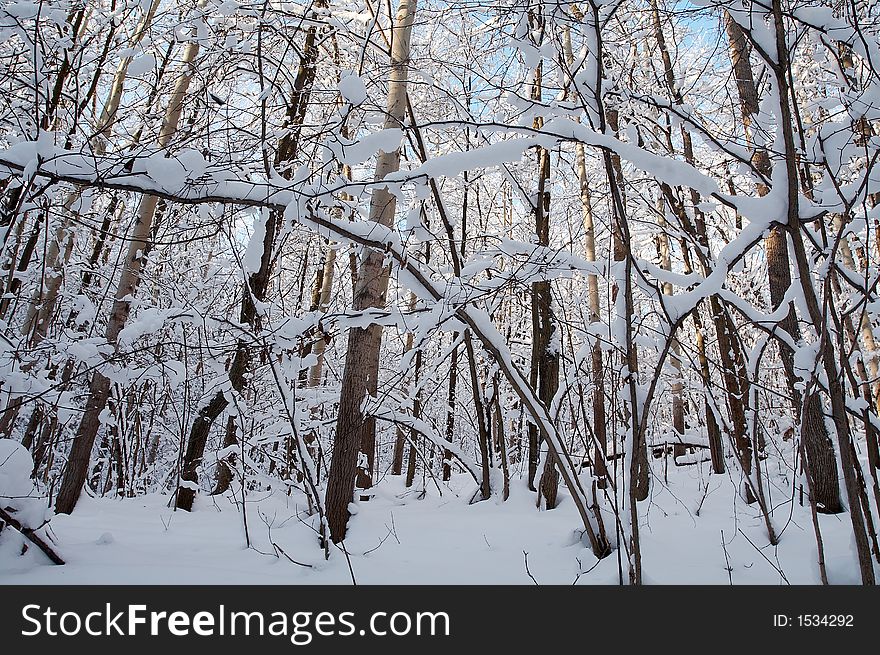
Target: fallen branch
(281, 550)
(31, 536)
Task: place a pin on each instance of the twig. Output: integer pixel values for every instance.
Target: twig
(381, 541)
(281, 550)
(526, 558)
(581, 571)
(341, 546)
(394, 529)
(726, 558)
(778, 570)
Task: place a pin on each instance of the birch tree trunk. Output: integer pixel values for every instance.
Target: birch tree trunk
(42, 305)
(99, 388)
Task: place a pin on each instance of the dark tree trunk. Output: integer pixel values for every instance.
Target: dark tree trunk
(450, 408)
(356, 433)
(814, 434)
(129, 280)
(256, 288)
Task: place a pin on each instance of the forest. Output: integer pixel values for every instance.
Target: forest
(481, 291)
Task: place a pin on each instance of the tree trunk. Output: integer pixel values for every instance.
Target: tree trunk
(817, 443)
(355, 433)
(544, 374)
(400, 439)
(640, 469)
(597, 369)
(675, 350)
(42, 305)
(254, 290)
(323, 338)
(835, 387)
(413, 435)
(545, 331)
(99, 388)
(450, 407)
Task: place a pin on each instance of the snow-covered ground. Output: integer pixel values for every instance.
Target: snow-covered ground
(398, 538)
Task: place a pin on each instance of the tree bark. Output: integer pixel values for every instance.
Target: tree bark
(42, 305)
(817, 443)
(99, 388)
(355, 433)
(253, 292)
(545, 353)
(835, 387)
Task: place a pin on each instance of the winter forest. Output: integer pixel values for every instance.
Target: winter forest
(447, 291)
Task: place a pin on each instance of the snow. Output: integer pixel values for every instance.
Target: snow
(21, 10)
(356, 152)
(398, 538)
(455, 163)
(141, 65)
(216, 177)
(254, 253)
(15, 470)
(228, 8)
(148, 321)
(352, 88)
(18, 497)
